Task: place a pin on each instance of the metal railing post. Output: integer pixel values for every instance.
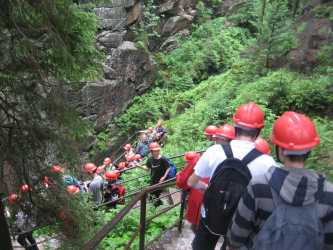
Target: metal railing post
(182, 208)
(143, 221)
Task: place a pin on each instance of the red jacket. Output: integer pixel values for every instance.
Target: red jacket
(195, 196)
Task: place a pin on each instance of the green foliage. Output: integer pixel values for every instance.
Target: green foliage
(276, 35)
(324, 11)
(44, 46)
(211, 48)
(147, 28)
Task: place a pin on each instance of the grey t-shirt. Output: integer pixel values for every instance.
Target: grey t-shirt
(95, 188)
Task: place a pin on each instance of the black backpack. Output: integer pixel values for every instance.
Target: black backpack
(225, 189)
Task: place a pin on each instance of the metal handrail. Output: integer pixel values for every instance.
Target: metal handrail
(107, 228)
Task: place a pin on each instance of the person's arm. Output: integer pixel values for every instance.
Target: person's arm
(243, 222)
(195, 182)
(163, 178)
(166, 168)
(201, 170)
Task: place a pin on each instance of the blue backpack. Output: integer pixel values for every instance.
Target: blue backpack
(173, 169)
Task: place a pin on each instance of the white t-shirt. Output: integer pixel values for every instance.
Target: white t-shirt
(214, 155)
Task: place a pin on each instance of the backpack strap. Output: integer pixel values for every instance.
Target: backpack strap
(227, 150)
(252, 155)
(320, 190)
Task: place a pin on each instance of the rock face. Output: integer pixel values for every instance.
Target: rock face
(316, 34)
(128, 70)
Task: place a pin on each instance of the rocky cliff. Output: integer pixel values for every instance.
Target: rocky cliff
(129, 70)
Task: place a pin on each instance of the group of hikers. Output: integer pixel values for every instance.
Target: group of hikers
(235, 188)
(238, 191)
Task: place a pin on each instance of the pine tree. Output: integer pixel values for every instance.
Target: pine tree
(45, 47)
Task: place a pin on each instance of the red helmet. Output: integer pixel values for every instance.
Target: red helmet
(72, 189)
(90, 167)
(107, 161)
(226, 131)
(57, 169)
(111, 176)
(127, 147)
(25, 188)
(249, 115)
(12, 198)
(190, 156)
(121, 165)
(154, 146)
(262, 146)
(210, 130)
(137, 157)
(295, 132)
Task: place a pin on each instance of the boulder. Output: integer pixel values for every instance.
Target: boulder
(171, 42)
(176, 23)
(168, 6)
(134, 13)
(109, 39)
(111, 18)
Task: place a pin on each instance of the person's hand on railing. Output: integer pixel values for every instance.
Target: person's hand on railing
(162, 179)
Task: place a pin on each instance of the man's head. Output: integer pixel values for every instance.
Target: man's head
(294, 135)
(224, 134)
(143, 137)
(210, 132)
(249, 120)
(155, 149)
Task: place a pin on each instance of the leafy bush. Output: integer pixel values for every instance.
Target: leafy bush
(212, 48)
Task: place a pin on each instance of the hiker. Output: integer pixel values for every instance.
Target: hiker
(143, 146)
(195, 195)
(71, 180)
(107, 164)
(113, 191)
(224, 134)
(292, 195)
(262, 145)
(24, 225)
(159, 169)
(150, 132)
(209, 132)
(96, 185)
(228, 176)
(129, 152)
(160, 133)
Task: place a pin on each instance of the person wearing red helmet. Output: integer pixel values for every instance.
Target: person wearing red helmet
(224, 134)
(300, 197)
(195, 195)
(159, 169)
(248, 122)
(262, 145)
(107, 164)
(129, 152)
(113, 190)
(96, 185)
(210, 132)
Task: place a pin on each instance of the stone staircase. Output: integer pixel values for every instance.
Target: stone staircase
(172, 240)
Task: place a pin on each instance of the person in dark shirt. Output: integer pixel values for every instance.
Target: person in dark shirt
(159, 169)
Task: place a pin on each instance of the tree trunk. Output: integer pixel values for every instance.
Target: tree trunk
(6, 243)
